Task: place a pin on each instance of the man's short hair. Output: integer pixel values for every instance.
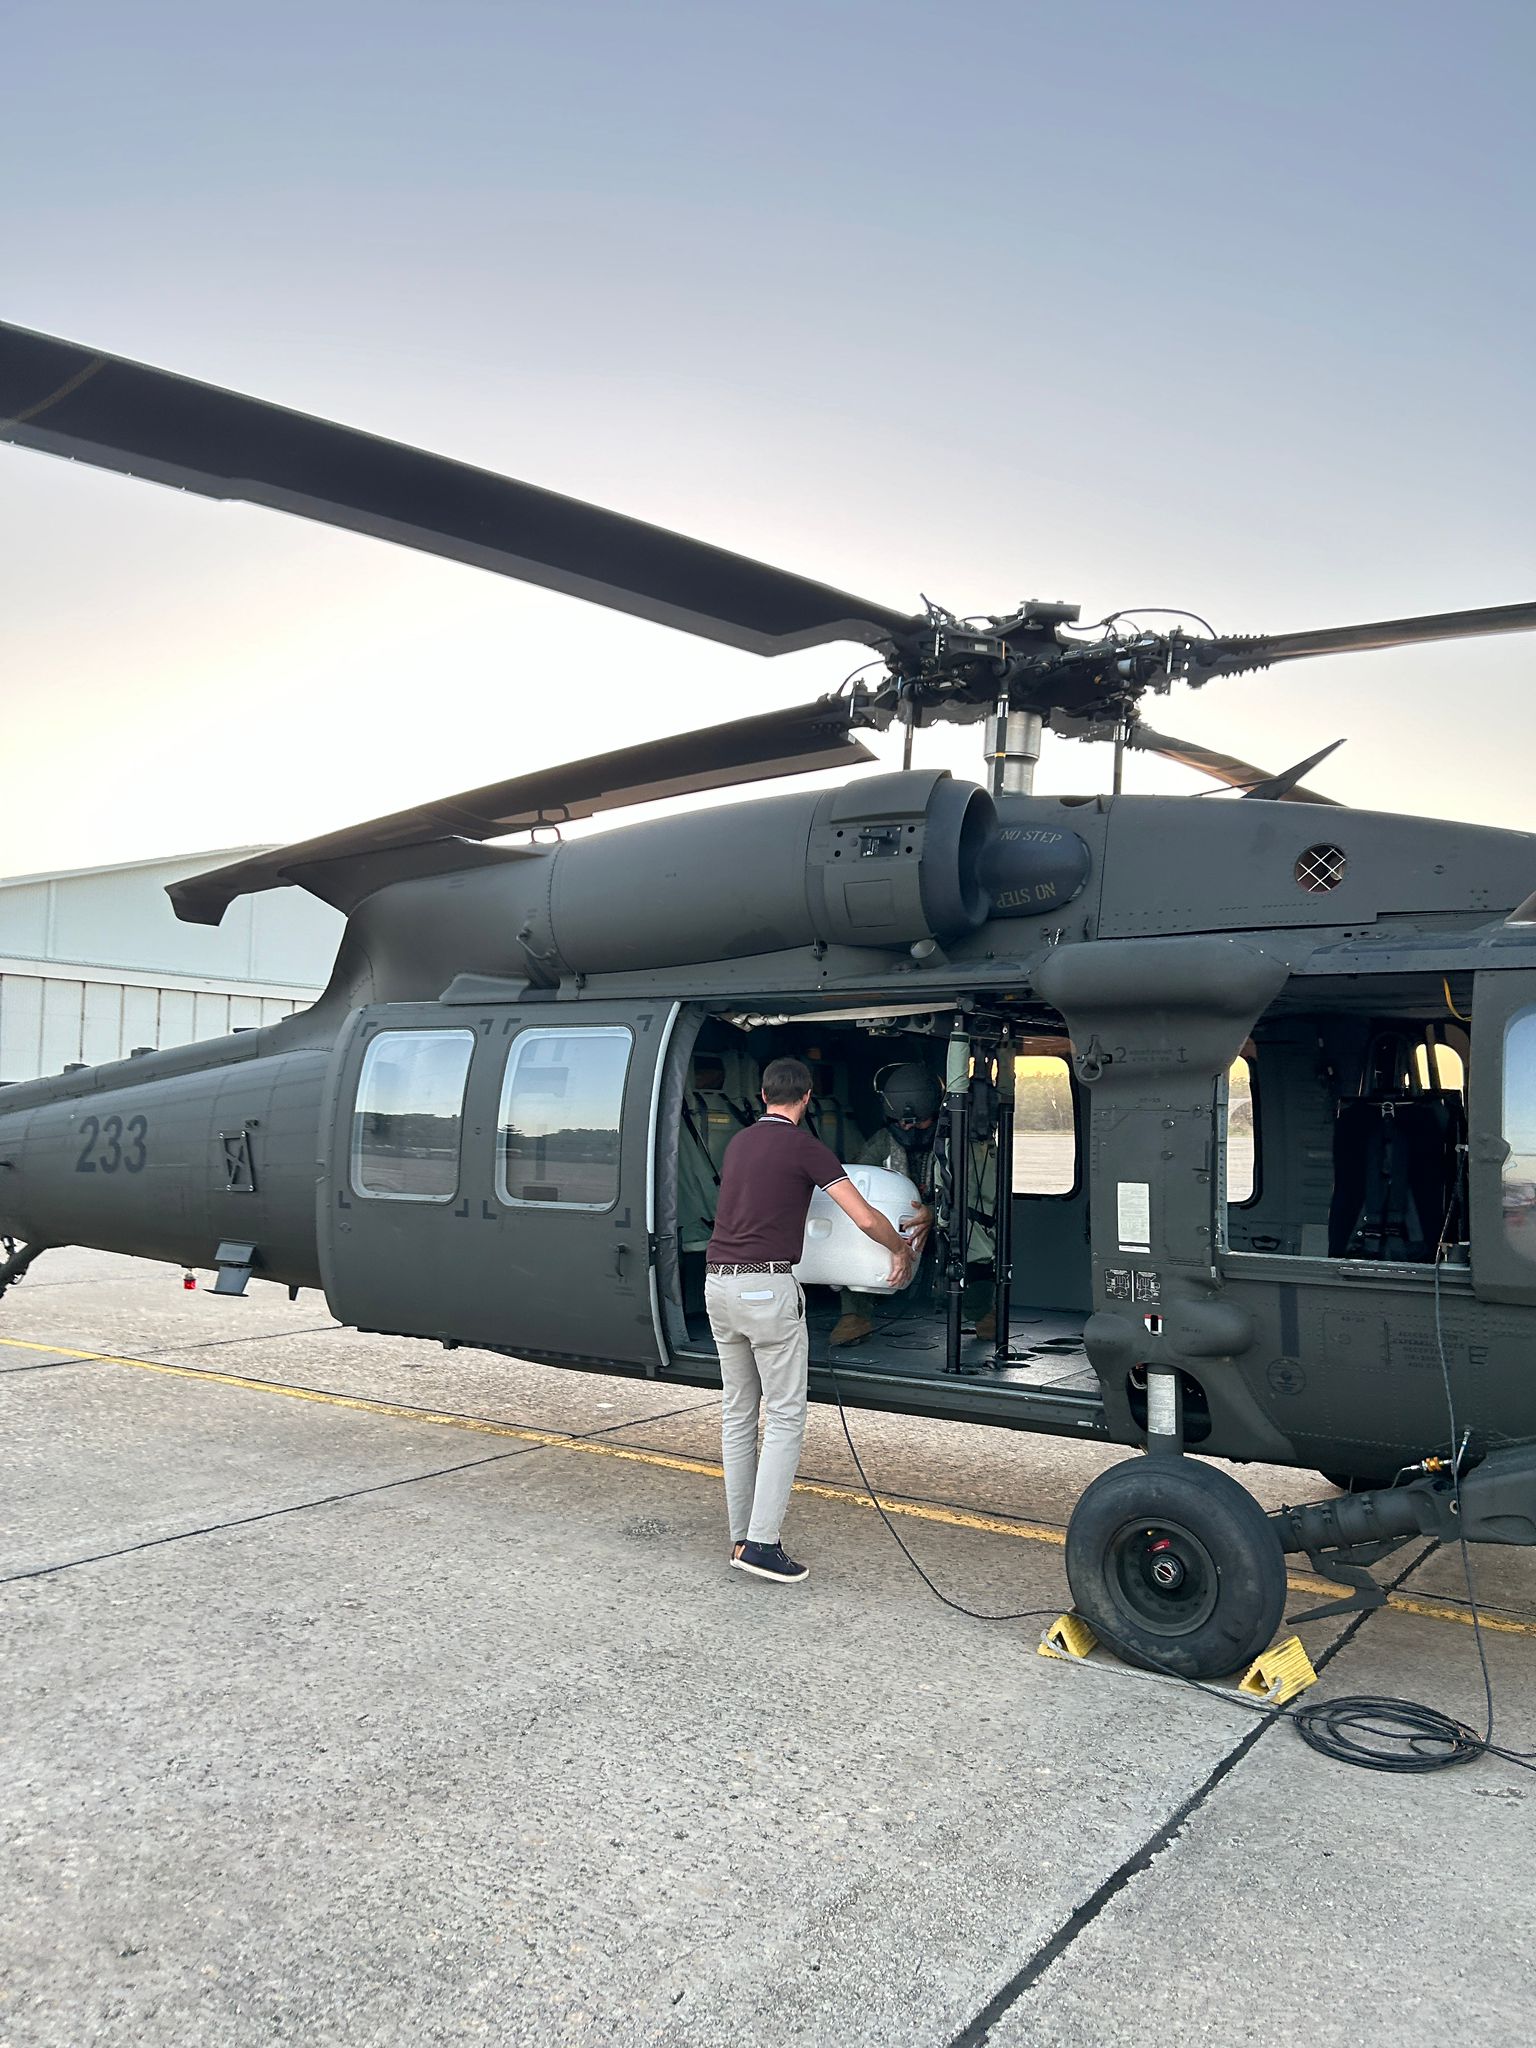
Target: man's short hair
(785, 1081)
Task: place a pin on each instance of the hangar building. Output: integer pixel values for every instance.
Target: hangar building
(94, 962)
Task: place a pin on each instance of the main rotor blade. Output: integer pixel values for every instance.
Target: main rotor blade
(1286, 786)
(1227, 768)
(794, 742)
(66, 400)
(1469, 625)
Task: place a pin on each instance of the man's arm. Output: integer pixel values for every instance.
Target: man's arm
(916, 1225)
(880, 1228)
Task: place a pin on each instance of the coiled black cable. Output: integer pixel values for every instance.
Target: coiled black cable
(1390, 1735)
(1397, 1736)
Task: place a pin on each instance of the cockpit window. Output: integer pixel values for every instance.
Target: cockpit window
(1520, 1132)
(1440, 1067)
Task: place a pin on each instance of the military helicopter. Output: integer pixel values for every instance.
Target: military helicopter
(497, 1125)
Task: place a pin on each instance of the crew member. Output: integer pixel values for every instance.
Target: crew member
(911, 1099)
(757, 1309)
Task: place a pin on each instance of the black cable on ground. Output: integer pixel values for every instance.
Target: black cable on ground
(959, 1607)
(1378, 1734)
(1391, 1735)
(1403, 1736)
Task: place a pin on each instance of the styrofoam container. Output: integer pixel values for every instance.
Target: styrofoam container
(837, 1253)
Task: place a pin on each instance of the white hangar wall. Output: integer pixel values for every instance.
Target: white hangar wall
(94, 962)
(50, 1019)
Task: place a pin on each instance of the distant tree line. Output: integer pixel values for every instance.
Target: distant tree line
(1043, 1102)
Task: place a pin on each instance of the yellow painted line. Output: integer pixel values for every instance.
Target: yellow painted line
(1441, 1610)
(923, 1511)
(366, 1407)
(669, 1461)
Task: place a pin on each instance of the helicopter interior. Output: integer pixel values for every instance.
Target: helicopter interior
(1342, 1133)
(1050, 1298)
(1359, 1113)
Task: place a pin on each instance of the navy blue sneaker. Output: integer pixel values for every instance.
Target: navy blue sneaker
(768, 1561)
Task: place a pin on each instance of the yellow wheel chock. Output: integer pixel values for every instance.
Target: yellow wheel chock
(1274, 1678)
(1279, 1674)
(1068, 1636)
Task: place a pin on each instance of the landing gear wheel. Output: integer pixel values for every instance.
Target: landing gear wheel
(1176, 1567)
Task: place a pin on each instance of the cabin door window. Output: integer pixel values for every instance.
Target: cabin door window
(562, 1105)
(1044, 1126)
(409, 1114)
(1239, 1135)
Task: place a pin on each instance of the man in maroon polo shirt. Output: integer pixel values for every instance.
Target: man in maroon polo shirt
(757, 1308)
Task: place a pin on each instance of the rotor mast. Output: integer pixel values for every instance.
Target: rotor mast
(1012, 749)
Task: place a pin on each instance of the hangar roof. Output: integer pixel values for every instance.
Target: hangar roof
(193, 862)
(120, 917)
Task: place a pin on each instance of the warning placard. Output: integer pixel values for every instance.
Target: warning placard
(1134, 1209)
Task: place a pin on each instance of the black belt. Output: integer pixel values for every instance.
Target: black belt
(754, 1266)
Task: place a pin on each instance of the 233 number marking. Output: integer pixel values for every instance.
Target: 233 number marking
(110, 1144)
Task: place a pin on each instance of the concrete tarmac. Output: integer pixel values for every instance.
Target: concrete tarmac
(358, 1693)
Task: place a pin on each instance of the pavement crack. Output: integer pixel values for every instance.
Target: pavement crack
(268, 1337)
(8, 1372)
(298, 1507)
(97, 1280)
(323, 1501)
(977, 2030)
(640, 1421)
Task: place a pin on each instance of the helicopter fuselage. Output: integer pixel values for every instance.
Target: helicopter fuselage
(1162, 939)
(500, 1124)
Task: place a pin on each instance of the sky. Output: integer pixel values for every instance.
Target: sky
(1128, 304)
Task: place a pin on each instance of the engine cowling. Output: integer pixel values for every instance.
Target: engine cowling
(885, 862)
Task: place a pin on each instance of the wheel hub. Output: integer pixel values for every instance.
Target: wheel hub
(1162, 1577)
(1164, 1567)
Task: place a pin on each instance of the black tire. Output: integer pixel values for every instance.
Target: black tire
(1176, 1567)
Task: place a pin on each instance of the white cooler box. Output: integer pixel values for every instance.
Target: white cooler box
(837, 1253)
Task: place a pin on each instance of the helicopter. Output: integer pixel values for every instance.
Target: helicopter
(497, 1125)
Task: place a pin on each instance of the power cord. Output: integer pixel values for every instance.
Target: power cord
(958, 1606)
(1393, 1735)
(1402, 1737)
(1378, 1734)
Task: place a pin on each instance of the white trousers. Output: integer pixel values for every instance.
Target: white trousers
(758, 1321)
